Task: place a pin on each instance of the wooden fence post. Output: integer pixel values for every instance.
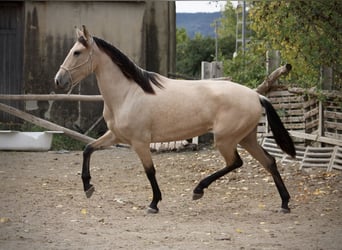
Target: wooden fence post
(327, 78)
(211, 70)
(320, 118)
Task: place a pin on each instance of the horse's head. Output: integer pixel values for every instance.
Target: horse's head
(78, 64)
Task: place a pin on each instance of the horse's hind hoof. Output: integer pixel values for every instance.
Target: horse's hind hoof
(90, 191)
(285, 210)
(151, 210)
(197, 196)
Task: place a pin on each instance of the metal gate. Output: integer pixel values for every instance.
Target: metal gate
(11, 53)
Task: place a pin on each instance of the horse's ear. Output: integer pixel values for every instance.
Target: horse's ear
(79, 33)
(87, 36)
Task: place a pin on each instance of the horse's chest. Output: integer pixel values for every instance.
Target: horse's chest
(123, 128)
(119, 131)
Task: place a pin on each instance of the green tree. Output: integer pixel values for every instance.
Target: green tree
(227, 33)
(191, 52)
(228, 21)
(307, 33)
(247, 67)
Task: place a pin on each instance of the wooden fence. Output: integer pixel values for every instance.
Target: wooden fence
(310, 119)
(315, 124)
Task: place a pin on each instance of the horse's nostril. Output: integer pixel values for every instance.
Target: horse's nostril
(57, 83)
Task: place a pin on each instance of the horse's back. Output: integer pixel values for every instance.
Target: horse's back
(215, 94)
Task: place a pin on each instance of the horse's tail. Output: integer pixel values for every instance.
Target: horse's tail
(280, 134)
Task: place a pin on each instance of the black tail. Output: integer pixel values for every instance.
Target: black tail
(280, 134)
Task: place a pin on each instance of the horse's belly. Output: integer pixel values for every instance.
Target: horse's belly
(180, 131)
(182, 118)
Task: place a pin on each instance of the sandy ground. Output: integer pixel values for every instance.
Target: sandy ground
(42, 204)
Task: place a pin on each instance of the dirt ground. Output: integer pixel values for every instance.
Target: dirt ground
(42, 204)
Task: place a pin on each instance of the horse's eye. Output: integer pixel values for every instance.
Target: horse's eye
(77, 53)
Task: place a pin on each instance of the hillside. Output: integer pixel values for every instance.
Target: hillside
(197, 23)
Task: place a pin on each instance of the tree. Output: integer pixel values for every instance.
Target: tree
(247, 67)
(307, 33)
(227, 33)
(191, 52)
(228, 21)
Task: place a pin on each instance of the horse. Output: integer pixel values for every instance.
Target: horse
(141, 107)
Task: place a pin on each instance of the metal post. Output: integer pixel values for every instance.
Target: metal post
(216, 40)
(244, 26)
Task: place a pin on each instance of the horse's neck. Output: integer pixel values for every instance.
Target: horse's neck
(112, 83)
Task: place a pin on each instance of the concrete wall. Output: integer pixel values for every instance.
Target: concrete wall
(145, 31)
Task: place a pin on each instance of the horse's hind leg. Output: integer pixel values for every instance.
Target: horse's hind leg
(233, 161)
(106, 140)
(252, 146)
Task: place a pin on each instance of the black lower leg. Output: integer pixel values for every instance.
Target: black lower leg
(88, 188)
(198, 191)
(151, 175)
(284, 194)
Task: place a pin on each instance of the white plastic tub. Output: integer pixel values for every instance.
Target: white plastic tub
(26, 141)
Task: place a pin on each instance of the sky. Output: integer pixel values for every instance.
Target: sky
(199, 6)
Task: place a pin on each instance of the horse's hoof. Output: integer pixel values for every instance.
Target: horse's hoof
(285, 210)
(197, 196)
(90, 191)
(151, 210)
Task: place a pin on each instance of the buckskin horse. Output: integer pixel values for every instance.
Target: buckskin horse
(141, 107)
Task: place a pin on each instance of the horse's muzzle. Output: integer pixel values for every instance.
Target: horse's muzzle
(62, 80)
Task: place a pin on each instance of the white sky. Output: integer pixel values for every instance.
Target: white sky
(199, 6)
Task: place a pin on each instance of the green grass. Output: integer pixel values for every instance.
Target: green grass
(61, 141)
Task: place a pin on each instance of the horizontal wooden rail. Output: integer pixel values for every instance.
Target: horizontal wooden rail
(317, 138)
(53, 97)
(44, 123)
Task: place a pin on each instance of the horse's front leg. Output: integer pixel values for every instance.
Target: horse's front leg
(106, 140)
(143, 151)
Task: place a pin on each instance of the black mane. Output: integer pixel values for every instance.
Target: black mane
(142, 77)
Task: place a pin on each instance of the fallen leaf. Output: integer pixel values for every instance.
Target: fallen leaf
(261, 205)
(4, 220)
(319, 192)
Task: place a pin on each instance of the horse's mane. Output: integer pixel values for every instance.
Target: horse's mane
(142, 77)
